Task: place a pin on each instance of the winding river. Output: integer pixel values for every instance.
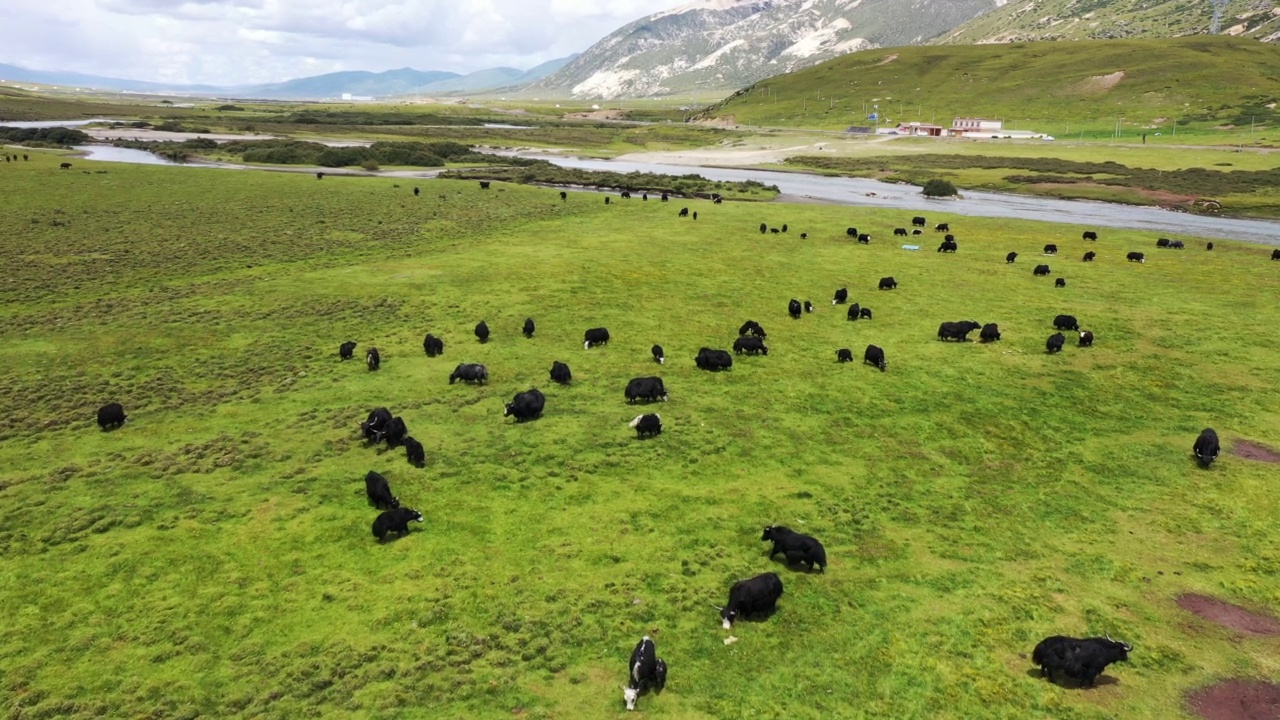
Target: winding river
(872, 193)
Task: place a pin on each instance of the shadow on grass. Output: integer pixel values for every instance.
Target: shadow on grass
(1070, 683)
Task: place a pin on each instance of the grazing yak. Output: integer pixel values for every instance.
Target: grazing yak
(942, 227)
(1208, 246)
(394, 432)
(851, 232)
(752, 596)
(1140, 258)
(918, 221)
(395, 521)
(793, 308)
(900, 232)
(799, 549)
(1040, 270)
(1089, 256)
(708, 359)
(111, 415)
(1089, 235)
(469, 373)
(917, 231)
(844, 355)
(414, 453)
(841, 297)
(432, 345)
(528, 327)
(684, 212)
(1086, 338)
(645, 388)
(749, 344)
(1011, 257)
(753, 327)
(346, 350)
(649, 425)
(560, 373)
(1054, 343)
(784, 227)
(1162, 243)
(378, 491)
(948, 246)
(373, 359)
(1060, 282)
(855, 312)
(659, 355)
(1081, 659)
(374, 425)
(563, 196)
(1066, 322)
(484, 184)
(1051, 249)
(874, 355)
(865, 313)
(482, 331)
(764, 228)
(1176, 245)
(990, 333)
(1275, 254)
(957, 330)
(888, 283)
(67, 166)
(526, 405)
(808, 306)
(646, 670)
(594, 336)
(1206, 447)
(864, 238)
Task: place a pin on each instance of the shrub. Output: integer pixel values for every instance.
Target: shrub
(937, 187)
(371, 165)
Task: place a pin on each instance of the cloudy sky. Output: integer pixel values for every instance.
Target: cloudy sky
(227, 42)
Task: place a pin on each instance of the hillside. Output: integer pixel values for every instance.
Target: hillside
(1112, 19)
(725, 44)
(1029, 85)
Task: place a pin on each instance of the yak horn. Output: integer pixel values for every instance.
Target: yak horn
(717, 607)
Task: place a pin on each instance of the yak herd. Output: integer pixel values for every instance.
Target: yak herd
(1080, 659)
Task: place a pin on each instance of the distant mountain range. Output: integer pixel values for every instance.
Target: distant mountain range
(405, 81)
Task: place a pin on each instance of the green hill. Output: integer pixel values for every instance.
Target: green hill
(1115, 19)
(1200, 81)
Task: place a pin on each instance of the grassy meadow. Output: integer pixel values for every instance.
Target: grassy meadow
(213, 557)
(1089, 86)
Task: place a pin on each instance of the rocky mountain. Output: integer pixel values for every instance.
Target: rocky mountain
(1025, 20)
(719, 44)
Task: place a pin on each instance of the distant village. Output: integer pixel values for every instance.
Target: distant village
(960, 127)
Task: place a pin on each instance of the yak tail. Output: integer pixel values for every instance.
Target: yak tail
(636, 422)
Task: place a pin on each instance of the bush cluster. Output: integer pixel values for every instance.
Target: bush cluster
(44, 137)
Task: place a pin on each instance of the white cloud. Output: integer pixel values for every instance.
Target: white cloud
(231, 42)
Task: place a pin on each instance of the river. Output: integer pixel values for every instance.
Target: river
(50, 123)
(872, 193)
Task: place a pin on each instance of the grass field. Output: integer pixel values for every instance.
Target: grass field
(213, 557)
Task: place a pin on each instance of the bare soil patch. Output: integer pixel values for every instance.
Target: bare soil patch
(1254, 451)
(1236, 700)
(598, 115)
(1100, 83)
(1230, 616)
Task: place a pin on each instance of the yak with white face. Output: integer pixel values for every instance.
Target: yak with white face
(646, 671)
(757, 595)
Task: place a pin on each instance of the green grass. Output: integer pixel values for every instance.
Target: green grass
(1108, 19)
(1234, 190)
(1036, 86)
(213, 557)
